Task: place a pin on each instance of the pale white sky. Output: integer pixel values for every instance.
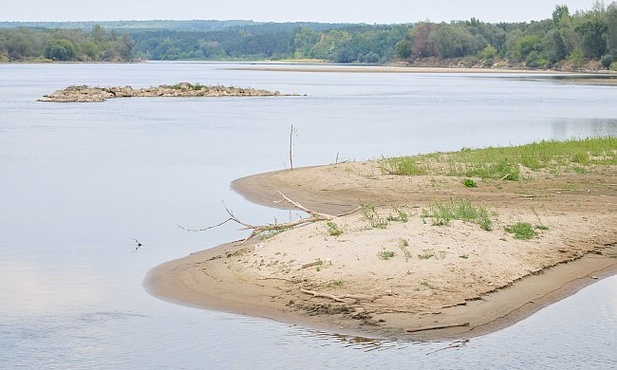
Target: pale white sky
(336, 11)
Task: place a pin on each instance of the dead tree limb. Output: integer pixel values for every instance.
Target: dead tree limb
(322, 295)
(205, 228)
(314, 216)
(437, 327)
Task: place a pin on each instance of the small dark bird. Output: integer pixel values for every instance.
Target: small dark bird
(137, 245)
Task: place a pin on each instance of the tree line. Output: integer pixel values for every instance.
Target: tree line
(562, 41)
(26, 44)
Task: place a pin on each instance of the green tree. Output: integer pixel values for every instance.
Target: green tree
(403, 49)
(61, 50)
(452, 41)
(611, 28)
(554, 47)
(561, 14)
(593, 37)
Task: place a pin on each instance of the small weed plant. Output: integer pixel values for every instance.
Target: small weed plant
(402, 245)
(470, 183)
(404, 166)
(522, 230)
(333, 229)
(371, 215)
(442, 214)
(429, 253)
(399, 215)
(386, 255)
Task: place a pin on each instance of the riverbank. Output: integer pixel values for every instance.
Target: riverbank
(376, 273)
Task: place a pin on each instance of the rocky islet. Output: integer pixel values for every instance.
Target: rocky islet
(88, 94)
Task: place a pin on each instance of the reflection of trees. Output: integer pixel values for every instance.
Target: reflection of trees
(567, 128)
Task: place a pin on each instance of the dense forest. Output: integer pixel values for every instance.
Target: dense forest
(585, 39)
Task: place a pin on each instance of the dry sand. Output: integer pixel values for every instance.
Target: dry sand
(460, 277)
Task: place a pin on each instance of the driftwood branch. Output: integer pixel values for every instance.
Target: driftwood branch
(314, 216)
(436, 327)
(339, 298)
(205, 228)
(322, 295)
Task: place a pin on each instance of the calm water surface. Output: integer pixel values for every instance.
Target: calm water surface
(80, 181)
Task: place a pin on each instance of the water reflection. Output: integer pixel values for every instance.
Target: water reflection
(39, 288)
(567, 128)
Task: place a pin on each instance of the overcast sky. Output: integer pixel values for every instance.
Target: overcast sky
(336, 11)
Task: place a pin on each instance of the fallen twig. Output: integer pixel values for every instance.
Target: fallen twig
(322, 295)
(437, 327)
(260, 229)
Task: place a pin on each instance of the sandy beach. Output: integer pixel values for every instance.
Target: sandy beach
(350, 68)
(407, 279)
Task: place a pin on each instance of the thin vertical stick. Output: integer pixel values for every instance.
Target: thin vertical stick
(291, 161)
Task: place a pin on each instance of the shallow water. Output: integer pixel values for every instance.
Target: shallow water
(81, 181)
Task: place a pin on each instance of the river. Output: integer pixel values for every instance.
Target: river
(79, 183)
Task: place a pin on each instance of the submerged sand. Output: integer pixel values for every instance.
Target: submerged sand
(410, 279)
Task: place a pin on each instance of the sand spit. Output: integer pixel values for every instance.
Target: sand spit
(406, 279)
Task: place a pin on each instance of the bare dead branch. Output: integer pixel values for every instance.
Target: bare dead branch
(322, 295)
(205, 228)
(437, 327)
(314, 216)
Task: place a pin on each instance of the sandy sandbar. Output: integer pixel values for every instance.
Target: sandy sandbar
(454, 281)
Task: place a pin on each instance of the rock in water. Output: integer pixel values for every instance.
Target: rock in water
(86, 94)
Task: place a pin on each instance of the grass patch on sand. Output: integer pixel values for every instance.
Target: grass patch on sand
(524, 230)
(444, 213)
(506, 162)
(333, 229)
(386, 255)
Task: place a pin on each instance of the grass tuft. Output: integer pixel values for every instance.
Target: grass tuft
(371, 215)
(386, 255)
(333, 229)
(521, 230)
(444, 213)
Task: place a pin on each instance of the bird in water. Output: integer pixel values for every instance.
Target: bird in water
(137, 245)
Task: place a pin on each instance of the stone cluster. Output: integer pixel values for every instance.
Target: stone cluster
(85, 94)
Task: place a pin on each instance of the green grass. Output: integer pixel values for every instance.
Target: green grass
(333, 229)
(401, 166)
(370, 214)
(386, 255)
(398, 216)
(426, 254)
(504, 162)
(469, 183)
(521, 230)
(403, 244)
(444, 213)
